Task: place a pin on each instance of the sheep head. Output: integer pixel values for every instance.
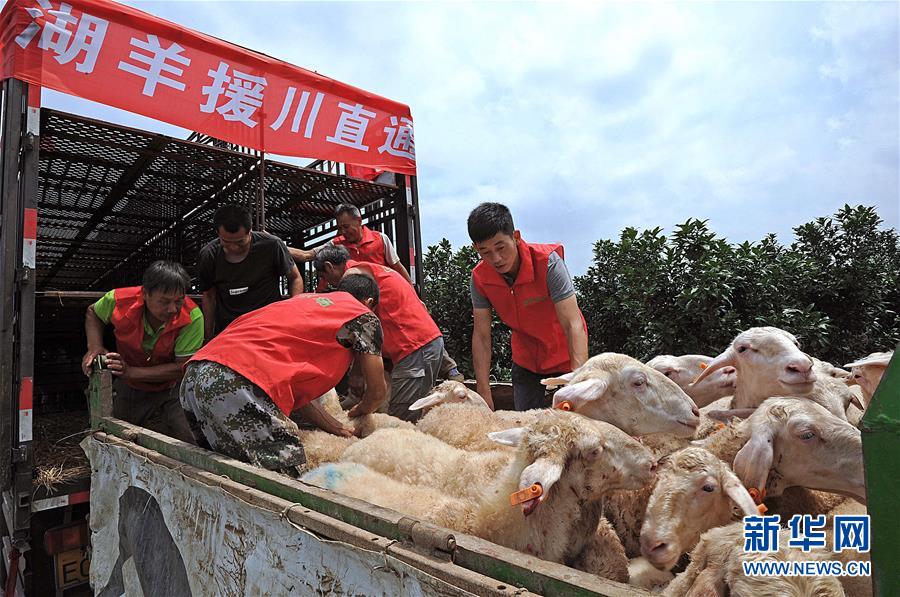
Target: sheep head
(867, 372)
(627, 393)
(805, 446)
(684, 369)
(448, 392)
(694, 491)
(589, 457)
(769, 362)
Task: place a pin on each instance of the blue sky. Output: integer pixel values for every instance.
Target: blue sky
(587, 118)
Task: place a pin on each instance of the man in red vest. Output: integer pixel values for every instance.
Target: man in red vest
(364, 244)
(361, 242)
(240, 390)
(530, 288)
(412, 341)
(157, 329)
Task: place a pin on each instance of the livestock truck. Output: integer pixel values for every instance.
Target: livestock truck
(86, 205)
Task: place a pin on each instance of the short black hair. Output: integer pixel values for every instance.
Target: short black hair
(166, 276)
(333, 254)
(361, 286)
(488, 219)
(346, 208)
(232, 217)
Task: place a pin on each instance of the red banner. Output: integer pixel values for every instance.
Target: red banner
(123, 57)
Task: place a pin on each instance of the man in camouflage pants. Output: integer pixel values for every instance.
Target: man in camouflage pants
(240, 389)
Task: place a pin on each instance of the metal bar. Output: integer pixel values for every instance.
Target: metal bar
(416, 224)
(881, 445)
(261, 201)
(10, 243)
(28, 181)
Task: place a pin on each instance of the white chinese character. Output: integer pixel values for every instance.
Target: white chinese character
(400, 141)
(298, 115)
(156, 64)
(244, 93)
(58, 37)
(351, 127)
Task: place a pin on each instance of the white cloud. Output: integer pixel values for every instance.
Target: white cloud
(586, 118)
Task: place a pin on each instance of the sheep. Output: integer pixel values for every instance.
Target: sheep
(416, 458)
(717, 568)
(684, 369)
(448, 392)
(694, 492)
(575, 460)
(321, 447)
(623, 391)
(867, 372)
(788, 442)
(790, 463)
(609, 387)
(769, 363)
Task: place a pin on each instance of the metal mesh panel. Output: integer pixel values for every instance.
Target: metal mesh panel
(113, 199)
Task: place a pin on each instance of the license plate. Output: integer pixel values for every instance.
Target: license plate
(72, 567)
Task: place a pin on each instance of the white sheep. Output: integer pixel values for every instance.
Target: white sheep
(623, 391)
(769, 363)
(772, 451)
(575, 460)
(609, 387)
(321, 447)
(694, 492)
(449, 392)
(684, 369)
(716, 568)
(867, 372)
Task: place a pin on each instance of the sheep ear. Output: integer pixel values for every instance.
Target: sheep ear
(508, 437)
(855, 401)
(726, 359)
(429, 400)
(544, 471)
(562, 380)
(739, 494)
(582, 392)
(753, 461)
(459, 392)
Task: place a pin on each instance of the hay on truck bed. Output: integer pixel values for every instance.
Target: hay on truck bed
(58, 457)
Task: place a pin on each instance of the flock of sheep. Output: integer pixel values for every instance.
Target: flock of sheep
(639, 468)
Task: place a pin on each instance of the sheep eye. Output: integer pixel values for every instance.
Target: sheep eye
(807, 435)
(637, 383)
(668, 373)
(709, 488)
(742, 349)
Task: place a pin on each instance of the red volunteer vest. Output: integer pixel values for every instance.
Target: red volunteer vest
(538, 341)
(405, 322)
(369, 248)
(128, 324)
(289, 348)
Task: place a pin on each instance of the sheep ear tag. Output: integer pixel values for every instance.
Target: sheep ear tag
(528, 498)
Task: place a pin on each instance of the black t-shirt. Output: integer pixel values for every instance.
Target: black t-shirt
(248, 285)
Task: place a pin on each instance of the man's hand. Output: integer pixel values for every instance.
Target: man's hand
(89, 357)
(116, 365)
(485, 392)
(362, 409)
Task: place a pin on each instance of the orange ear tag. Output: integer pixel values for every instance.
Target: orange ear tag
(524, 495)
(720, 426)
(758, 496)
(566, 406)
(703, 366)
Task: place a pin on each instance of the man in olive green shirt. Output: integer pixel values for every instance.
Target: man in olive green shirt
(157, 329)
